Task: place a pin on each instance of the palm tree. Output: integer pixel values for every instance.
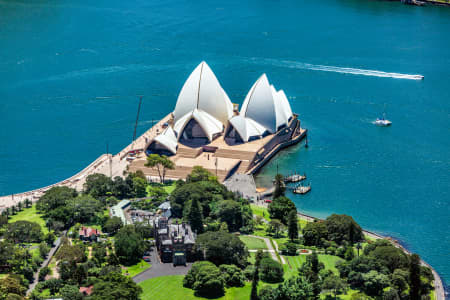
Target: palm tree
(13, 210)
(27, 203)
(19, 206)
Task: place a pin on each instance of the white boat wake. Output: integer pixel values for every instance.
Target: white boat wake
(306, 66)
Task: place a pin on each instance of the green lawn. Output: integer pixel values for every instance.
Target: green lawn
(296, 261)
(168, 187)
(260, 211)
(253, 243)
(136, 269)
(171, 287)
(30, 214)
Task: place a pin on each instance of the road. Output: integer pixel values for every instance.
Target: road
(159, 269)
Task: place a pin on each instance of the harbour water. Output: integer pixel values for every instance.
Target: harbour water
(70, 73)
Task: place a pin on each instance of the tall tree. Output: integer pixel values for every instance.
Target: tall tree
(293, 225)
(280, 207)
(255, 279)
(195, 216)
(414, 277)
(162, 164)
(280, 187)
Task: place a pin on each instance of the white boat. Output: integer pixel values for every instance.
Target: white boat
(382, 122)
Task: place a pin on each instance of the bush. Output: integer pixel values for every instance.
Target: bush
(43, 249)
(270, 271)
(43, 272)
(205, 279)
(289, 248)
(232, 275)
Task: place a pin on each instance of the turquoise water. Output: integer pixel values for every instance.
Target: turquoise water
(70, 73)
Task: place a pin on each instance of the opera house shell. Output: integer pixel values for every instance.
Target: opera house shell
(204, 112)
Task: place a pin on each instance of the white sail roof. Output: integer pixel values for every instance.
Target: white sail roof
(168, 139)
(247, 127)
(208, 123)
(263, 105)
(203, 91)
(285, 104)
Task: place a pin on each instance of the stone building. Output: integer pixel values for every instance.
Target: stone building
(174, 242)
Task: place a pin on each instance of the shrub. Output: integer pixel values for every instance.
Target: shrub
(270, 271)
(205, 279)
(232, 275)
(289, 248)
(43, 272)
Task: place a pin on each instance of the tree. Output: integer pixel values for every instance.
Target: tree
(98, 185)
(294, 288)
(43, 272)
(343, 228)
(229, 211)
(232, 275)
(3, 220)
(335, 284)
(70, 292)
(43, 249)
(162, 164)
(374, 283)
(49, 238)
(280, 207)
(195, 216)
(139, 187)
(293, 225)
(129, 245)
(205, 279)
(19, 206)
(24, 232)
(314, 233)
(414, 277)
(275, 227)
(116, 286)
(27, 203)
(270, 270)
(99, 254)
(221, 248)
(199, 173)
(280, 187)
(12, 285)
(144, 229)
(55, 197)
(112, 225)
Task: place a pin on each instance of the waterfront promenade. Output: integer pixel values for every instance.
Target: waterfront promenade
(108, 164)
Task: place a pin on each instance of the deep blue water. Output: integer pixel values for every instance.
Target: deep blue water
(70, 73)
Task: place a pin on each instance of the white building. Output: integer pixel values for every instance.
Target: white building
(203, 112)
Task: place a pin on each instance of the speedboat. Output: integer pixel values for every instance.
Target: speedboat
(382, 122)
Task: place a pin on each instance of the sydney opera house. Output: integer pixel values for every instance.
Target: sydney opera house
(208, 130)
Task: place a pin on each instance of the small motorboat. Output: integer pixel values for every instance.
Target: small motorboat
(382, 122)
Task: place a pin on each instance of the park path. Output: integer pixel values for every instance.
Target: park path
(45, 263)
(270, 247)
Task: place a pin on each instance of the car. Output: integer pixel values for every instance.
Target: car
(268, 201)
(146, 258)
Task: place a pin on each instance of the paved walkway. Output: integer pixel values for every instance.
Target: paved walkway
(159, 269)
(45, 263)
(271, 249)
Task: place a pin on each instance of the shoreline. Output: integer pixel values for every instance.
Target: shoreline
(438, 284)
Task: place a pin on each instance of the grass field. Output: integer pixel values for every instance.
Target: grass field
(30, 214)
(167, 187)
(136, 269)
(295, 262)
(171, 287)
(253, 243)
(260, 211)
